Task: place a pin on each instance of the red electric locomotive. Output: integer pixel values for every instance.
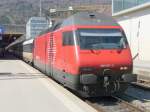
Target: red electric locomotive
(87, 52)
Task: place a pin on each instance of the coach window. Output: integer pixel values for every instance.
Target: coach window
(68, 38)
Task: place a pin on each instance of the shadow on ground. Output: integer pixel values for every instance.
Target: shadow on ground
(8, 56)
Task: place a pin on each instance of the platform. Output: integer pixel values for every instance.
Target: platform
(25, 89)
(142, 68)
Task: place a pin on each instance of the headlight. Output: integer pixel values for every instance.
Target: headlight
(123, 68)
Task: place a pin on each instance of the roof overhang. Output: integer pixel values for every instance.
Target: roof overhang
(131, 10)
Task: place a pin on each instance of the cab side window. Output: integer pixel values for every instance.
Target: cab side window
(68, 38)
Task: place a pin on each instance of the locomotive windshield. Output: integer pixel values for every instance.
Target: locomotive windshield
(102, 39)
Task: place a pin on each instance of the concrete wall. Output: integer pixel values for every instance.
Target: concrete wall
(137, 28)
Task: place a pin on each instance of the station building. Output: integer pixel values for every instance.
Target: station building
(134, 17)
(35, 25)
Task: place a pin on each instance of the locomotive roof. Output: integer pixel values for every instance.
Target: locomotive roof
(89, 18)
(84, 18)
(29, 41)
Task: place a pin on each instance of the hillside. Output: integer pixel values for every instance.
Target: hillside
(19, 11)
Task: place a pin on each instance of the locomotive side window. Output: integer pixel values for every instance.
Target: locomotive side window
(68, 38)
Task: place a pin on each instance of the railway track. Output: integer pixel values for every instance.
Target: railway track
(138, 96)
(144, 84)
(112, 104)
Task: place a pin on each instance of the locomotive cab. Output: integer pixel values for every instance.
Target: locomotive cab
(105, 59)
(102, 57)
